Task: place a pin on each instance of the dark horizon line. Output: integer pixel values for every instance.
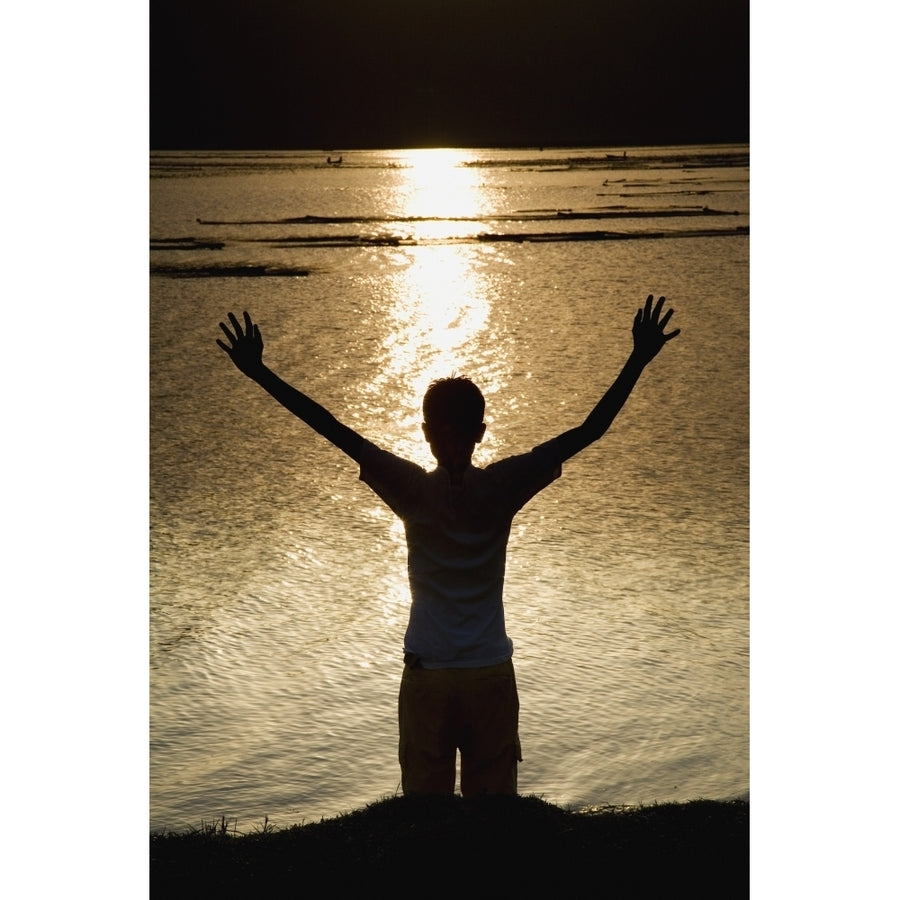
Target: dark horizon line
(372, 146)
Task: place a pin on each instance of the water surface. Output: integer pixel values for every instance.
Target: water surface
(278, 595)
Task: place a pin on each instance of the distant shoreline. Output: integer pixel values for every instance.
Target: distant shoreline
(376, 146)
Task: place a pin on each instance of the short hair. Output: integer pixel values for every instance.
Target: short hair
(456, 402)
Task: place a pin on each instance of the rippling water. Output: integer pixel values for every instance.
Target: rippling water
(278, 595)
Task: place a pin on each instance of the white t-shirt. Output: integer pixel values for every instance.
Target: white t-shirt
(456, 538)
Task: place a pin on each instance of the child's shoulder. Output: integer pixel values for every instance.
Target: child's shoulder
(373, 456)
(544, 458)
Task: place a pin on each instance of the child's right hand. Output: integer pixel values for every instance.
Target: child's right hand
(246, 344)
(648, 329)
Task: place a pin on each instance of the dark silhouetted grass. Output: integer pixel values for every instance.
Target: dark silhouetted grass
(491, 847)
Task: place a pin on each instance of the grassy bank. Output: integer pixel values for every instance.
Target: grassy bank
(489, 847)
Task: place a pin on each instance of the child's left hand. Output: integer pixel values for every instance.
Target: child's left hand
(246, 344)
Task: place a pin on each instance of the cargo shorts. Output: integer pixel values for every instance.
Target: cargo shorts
(475, 711)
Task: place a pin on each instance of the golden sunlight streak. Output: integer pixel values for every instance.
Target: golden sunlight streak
(440, 310)
(437, 308)
(438, 185)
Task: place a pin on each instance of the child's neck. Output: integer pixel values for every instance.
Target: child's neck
(455, 469)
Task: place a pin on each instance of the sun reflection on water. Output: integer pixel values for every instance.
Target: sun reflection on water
(438, 184)
(439, 315)
(435, 315)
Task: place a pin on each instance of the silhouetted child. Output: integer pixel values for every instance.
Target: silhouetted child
(458, 689)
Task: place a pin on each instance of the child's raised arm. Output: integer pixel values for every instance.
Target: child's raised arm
(245, 350)
(649, 338)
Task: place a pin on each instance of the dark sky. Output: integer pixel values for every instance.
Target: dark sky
(292, 74)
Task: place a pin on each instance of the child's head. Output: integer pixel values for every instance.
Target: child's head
(453, 410)
(454, 403)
